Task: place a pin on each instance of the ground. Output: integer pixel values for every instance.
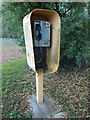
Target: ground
(68, 87)
(10, 53)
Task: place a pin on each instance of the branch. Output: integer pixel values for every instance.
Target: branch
(57, 9)
(67, 10)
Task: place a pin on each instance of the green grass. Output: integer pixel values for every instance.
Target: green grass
(16, 84)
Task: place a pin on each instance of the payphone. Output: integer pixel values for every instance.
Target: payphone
(41, 40)
(41, 33)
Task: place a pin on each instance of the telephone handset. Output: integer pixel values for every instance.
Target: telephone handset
(38, 34)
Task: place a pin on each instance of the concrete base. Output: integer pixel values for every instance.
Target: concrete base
(46, 109)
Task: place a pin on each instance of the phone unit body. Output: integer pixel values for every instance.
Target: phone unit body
(41, 33)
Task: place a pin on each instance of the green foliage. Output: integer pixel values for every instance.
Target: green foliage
(74, 42)
(12, 20)
(74, 27)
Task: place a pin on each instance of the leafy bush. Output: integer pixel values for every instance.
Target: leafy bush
(74, 42)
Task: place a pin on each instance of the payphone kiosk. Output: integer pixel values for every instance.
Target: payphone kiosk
(42, 40)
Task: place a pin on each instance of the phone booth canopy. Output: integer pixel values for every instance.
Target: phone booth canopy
(50, 54)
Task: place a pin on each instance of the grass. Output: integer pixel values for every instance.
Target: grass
(68, 88)
(16, 84)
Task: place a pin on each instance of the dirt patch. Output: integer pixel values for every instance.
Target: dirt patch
(10, 53)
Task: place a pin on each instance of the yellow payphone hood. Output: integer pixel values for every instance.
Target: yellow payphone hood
(52, 53)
